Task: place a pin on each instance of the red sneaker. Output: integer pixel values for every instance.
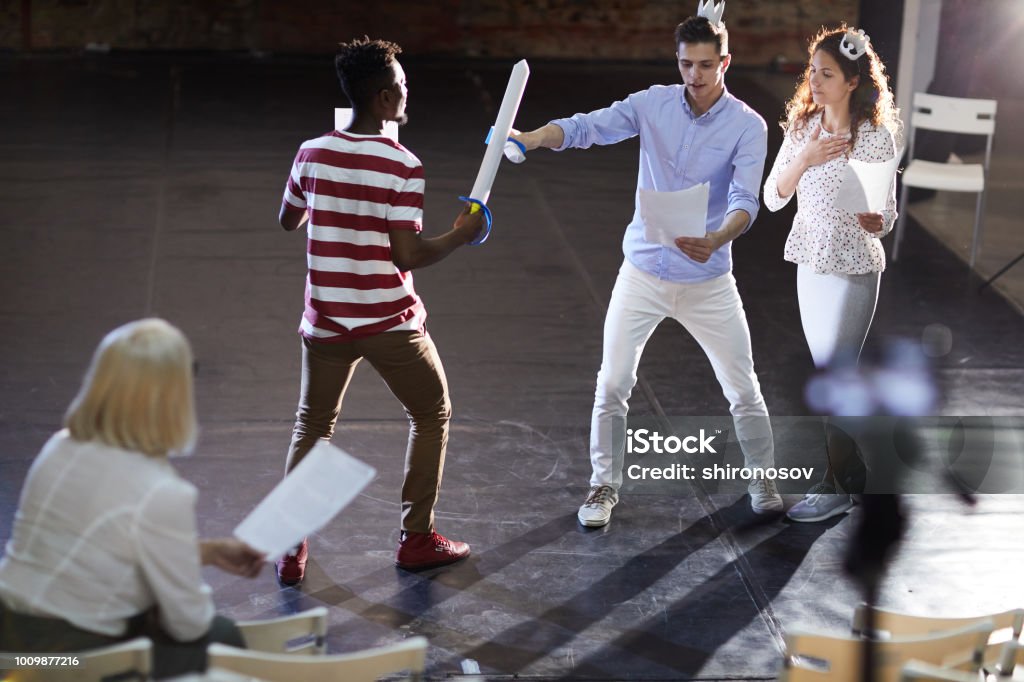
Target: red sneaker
(427, 550)
(291, 568)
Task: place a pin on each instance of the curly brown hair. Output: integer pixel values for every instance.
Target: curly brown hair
(364, 66)
(871, 101)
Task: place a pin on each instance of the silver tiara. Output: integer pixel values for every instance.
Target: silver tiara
(855, 44)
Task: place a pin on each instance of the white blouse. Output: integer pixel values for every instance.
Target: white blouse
(101, 535)
(827, 239)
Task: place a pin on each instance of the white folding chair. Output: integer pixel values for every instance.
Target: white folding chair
(951, 115)
(816, 657)
(1007, 626)
(304, 632)
(360, 666)
(129, 661)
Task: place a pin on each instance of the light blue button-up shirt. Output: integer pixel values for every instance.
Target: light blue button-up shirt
(726, 146)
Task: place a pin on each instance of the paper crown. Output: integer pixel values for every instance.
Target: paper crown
(712, 11)
(854, 44)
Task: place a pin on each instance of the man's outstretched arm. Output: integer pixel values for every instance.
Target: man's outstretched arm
(549, 136)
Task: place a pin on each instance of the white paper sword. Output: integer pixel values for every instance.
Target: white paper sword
(495, 147)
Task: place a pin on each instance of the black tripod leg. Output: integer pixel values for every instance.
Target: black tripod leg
(1000, 273)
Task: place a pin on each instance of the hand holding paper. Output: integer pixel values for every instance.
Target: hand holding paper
(232, 556)
(699, 249)
(872, 222)
(670, 215)
(865, 186)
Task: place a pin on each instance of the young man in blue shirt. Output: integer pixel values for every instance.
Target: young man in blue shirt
(691, 133)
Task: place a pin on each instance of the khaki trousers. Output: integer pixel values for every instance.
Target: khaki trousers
(408, 363)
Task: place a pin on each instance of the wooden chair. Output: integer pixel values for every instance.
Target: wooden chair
(1007, 627)
(360, 666)
(817, 657)
(298, 633)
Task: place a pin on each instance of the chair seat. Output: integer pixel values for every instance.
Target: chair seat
(968, 177)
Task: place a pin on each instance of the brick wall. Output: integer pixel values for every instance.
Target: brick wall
(10, 24)
(571, 29)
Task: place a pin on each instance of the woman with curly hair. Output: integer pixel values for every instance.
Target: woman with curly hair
(842, 109)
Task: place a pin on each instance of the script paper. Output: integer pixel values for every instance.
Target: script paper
(343, 117)
(324, 483)
(865, 187)
(669, 215)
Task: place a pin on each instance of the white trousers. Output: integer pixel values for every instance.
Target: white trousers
(836, 312)
(712, 312)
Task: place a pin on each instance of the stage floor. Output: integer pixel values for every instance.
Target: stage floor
(150, 185)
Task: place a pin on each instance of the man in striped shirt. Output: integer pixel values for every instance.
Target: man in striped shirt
(360, 195)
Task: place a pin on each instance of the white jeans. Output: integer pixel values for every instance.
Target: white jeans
(713, 313)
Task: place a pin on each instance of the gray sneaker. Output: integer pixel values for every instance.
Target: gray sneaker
(764, 497)
(821, 502)
(597, 510)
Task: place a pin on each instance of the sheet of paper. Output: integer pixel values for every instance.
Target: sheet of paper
(342, 117)
(865, 187)
(668, 215)
(305, 501)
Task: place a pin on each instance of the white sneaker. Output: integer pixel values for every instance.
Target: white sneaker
(764, 497)
(597, 510)
(821, 502)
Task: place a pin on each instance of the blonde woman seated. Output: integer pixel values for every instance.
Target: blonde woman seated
(104, 546)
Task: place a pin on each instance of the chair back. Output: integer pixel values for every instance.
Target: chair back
(129, 661)
(916, 671)
(839, 658)
(133, 656)
(360, 666)
(954, 114)
(1007, 625)
(304, 632)
(896, 624)
(962, 648)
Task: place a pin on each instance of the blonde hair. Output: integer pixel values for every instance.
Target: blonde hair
(137, 393)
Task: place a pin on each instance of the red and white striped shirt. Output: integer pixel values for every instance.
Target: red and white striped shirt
(356, 188)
